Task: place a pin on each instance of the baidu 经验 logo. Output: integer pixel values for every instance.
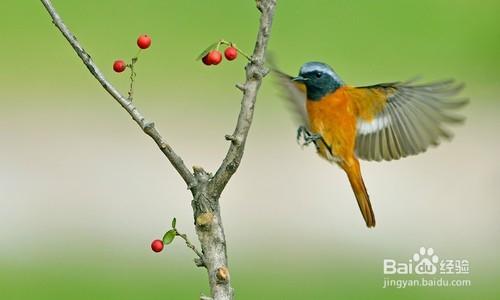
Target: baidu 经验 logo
(425, 262)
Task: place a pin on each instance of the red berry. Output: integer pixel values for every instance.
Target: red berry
(119, 66)
(144, 41)
(214, 57)
(231, 53)
(157, 245)
(205, 60)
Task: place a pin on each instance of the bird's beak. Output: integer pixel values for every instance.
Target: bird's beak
(300, 79)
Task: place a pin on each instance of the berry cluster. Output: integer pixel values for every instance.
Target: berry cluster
(143, 42)
(212, 55)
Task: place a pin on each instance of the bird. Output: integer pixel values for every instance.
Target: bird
(380, 122)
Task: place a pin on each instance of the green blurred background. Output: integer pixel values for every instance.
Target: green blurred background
(83, 191)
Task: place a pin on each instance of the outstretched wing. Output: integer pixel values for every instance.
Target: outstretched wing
(400, 119)
(295, 94)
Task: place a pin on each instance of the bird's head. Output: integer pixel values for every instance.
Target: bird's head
(319, 79)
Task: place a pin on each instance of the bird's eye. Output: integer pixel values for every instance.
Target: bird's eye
(319, 74)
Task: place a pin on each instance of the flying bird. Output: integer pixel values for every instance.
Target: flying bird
(386, 121)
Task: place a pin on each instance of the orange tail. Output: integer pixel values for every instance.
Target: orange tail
(358, 186)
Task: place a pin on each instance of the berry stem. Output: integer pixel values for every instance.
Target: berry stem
(133, 74)
(132, 78)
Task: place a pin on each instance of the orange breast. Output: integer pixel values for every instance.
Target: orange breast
(334, 118)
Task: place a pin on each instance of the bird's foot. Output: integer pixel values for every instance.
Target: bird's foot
(307, 136)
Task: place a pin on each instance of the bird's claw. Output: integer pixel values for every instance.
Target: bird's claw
(307, 136)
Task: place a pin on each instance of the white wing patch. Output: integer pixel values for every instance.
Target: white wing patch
(374, 125)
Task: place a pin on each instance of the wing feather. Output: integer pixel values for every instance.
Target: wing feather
(295, 95)
(414, 117)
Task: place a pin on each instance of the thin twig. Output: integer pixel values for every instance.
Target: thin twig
(190, 245)
(146, 126)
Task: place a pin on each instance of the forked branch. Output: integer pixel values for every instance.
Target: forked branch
(206, 189)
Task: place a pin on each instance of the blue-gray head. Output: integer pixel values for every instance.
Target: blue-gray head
(319, 78)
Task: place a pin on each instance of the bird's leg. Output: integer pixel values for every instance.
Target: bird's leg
(308, 136)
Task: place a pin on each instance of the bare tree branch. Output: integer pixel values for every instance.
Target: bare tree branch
(147, 126)
(255, 71)
(205, 204)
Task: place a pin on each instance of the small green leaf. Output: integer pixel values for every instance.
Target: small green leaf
(169, 236)
(205, 52)
(174, 222)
